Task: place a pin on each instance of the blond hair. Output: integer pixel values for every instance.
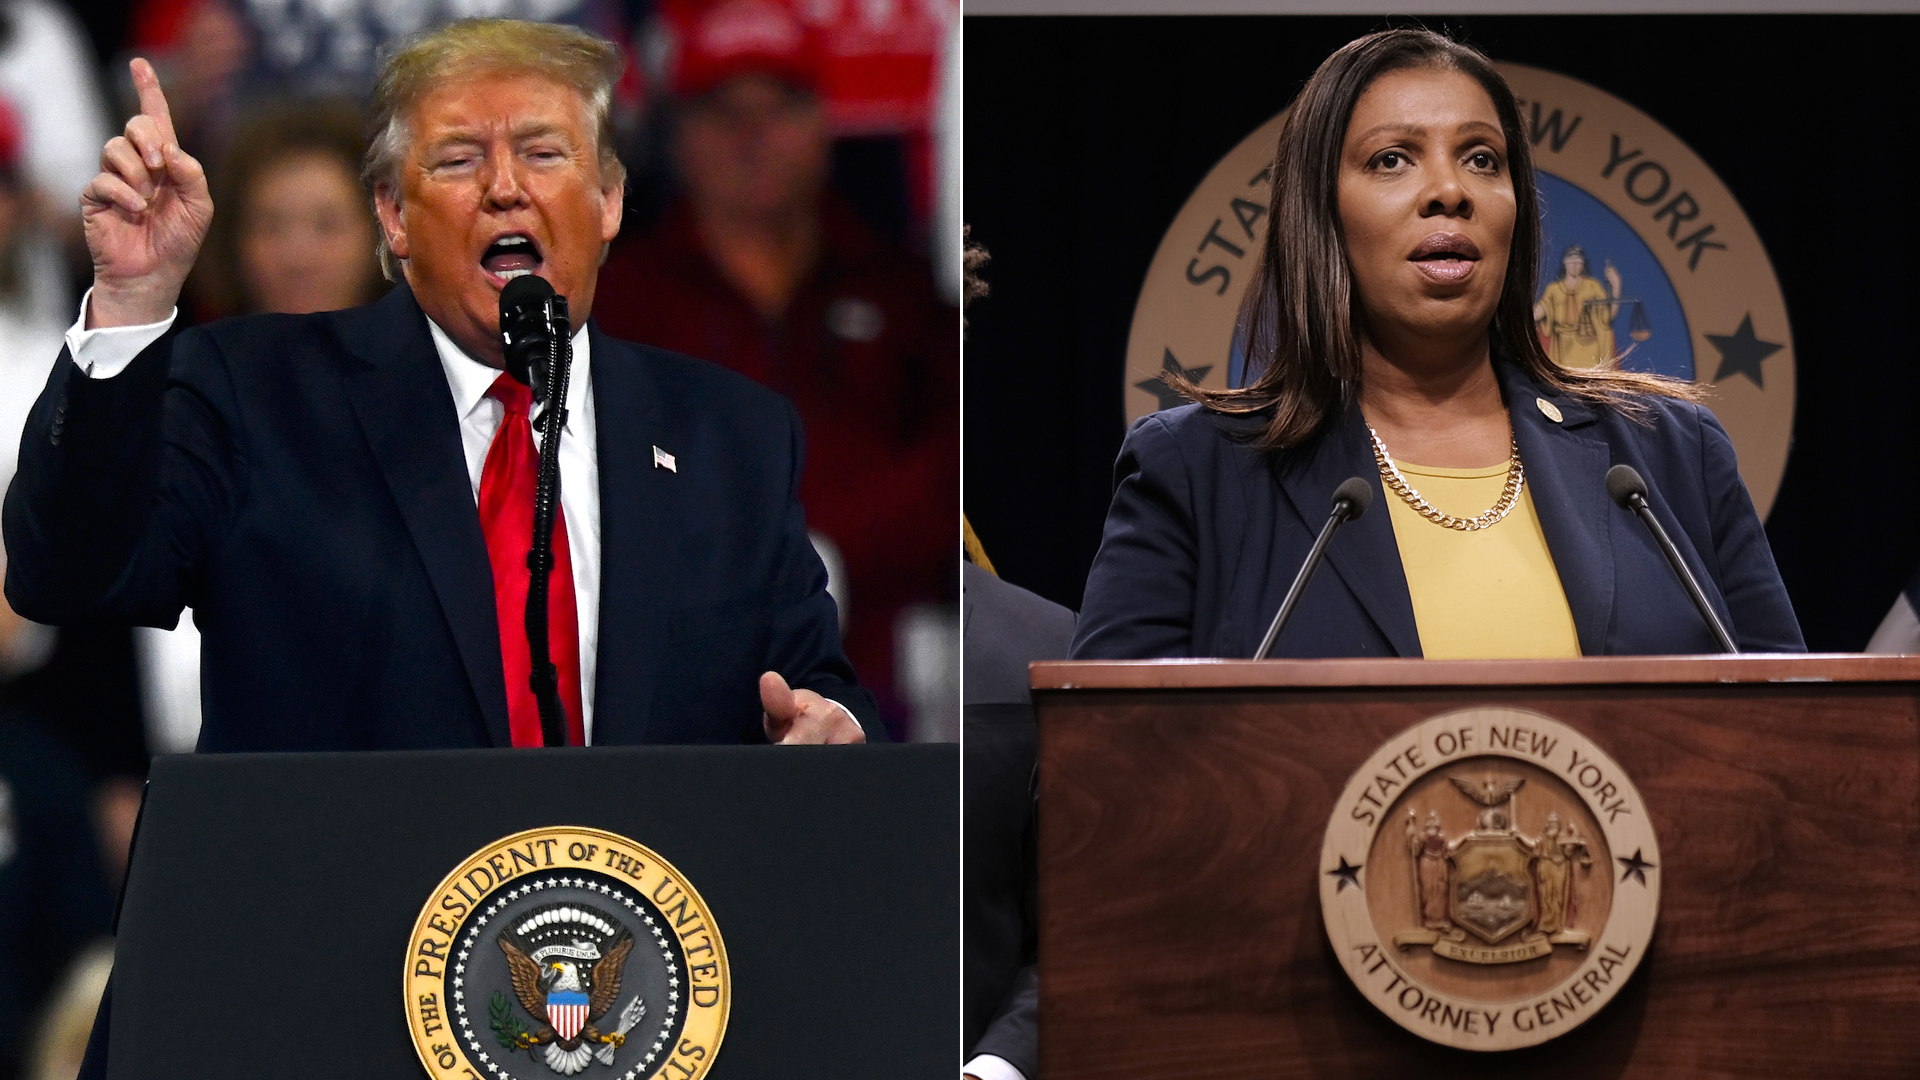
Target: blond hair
(586, 62)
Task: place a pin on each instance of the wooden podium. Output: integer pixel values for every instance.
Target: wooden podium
(1182, 807)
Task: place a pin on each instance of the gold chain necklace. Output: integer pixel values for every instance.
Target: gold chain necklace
(1390, 475)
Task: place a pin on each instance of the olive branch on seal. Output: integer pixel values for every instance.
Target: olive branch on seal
(507, 1027)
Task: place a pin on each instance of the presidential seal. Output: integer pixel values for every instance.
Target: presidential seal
(566, 951)
(1491, 879)
(1646, 260)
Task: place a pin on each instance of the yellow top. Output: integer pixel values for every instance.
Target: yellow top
(1492, 593)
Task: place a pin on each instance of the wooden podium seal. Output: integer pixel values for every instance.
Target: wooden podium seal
(1491, 878)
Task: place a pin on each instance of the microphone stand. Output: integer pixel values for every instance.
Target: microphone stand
(1626, 487)
(1350, 500)
(550, 379)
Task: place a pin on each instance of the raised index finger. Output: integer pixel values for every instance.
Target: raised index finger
(153, 102)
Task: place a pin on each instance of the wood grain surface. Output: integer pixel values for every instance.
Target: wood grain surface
(1180, 831)
(1583, 671)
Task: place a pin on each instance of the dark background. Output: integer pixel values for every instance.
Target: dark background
(1085, 135)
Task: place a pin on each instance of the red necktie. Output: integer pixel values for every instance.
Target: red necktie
(506, 516)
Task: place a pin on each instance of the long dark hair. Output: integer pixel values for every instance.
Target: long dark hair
(1300, 326)
(269, 134)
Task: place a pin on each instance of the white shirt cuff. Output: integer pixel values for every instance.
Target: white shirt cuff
(989, 1067)
(856, 723)
(105, 351)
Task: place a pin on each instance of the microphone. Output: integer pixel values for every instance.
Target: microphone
(1625, 487)
(527, 330)
(1350, 500)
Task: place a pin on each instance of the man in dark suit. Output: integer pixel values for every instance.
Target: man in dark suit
(309, 484)
(1004, 628)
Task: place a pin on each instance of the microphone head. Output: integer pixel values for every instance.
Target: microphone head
(1623, 484)
(525, 291)
(1356, 493)
(523, 327)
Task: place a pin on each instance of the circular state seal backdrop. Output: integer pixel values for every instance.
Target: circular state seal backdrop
(565, 952)
(1670, 276)
(1491, 879)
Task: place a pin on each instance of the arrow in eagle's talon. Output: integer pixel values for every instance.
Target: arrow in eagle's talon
(629, 1016)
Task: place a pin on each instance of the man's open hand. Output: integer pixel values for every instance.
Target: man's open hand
(145, 215)
(802, 716)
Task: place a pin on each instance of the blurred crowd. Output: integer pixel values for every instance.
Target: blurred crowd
(792, 189)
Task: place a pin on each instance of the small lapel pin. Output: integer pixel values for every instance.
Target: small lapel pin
(1547, 409)
(663, 460)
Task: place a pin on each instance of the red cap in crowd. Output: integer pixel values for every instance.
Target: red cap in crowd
(708, 42)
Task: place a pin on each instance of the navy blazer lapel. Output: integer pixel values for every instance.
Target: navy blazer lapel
(1566, 469)
(405, 408)
(633, 540)
(1363, 553)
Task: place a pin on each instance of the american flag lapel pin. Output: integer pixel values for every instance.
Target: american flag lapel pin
(663, 460)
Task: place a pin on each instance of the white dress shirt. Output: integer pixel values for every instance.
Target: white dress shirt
(992, 1067)
(105, 352)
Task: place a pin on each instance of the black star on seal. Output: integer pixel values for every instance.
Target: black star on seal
(1741, 352)
(1169, 397)
(1348, 875)
(1636, 867)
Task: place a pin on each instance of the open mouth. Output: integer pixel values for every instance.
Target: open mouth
(511, 256)
(1446, 256)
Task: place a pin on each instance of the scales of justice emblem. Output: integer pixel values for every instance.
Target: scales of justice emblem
(1516, 896)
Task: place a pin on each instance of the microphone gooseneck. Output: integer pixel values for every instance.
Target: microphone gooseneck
(538, 334)
(1350, 500)
(1625, 487)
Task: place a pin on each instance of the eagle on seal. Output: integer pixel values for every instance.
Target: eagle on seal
(1490, 793)
(567, 1040)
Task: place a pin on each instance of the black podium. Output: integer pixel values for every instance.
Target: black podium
(269, 902)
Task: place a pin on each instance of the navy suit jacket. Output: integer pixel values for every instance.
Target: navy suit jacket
(299, 482)
(1206, 533)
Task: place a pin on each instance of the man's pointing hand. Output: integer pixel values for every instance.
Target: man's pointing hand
(145, 215)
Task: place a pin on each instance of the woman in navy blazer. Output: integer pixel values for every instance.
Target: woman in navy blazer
(1394, 303)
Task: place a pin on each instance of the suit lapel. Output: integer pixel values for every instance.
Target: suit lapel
(1364, 552)
(633, 541)
(1566, 468)
(400, 397)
